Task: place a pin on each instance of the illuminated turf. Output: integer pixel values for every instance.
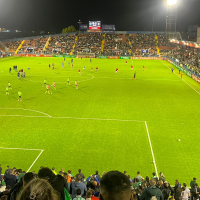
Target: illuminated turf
(73, 126)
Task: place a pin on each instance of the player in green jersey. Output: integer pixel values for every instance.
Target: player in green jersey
(7, 93)
(20, 96)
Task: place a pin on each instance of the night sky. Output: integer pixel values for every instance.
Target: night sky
(136, 15)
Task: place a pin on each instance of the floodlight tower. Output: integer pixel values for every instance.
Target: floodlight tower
(171, 15)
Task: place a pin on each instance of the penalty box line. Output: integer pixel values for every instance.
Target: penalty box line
(78, 118)
(24, 149)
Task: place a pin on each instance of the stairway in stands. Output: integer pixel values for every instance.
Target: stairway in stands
(72, 51)
(102, 43)
(157, 47)
(47, 44)
(19, 47)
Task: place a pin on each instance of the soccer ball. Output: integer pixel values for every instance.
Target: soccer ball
(179, 140)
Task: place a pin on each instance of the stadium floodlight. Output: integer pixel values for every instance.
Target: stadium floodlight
(172, 2)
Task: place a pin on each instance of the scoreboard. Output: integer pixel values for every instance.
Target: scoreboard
(94, 25)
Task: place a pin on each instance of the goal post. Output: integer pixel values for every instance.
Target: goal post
(85, 55)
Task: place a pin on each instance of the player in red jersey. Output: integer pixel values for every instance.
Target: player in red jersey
(76, 84)
(79, 71)
(143, 67)
(116, 70)
(126, 62)
(91, 69)
(53, 68)
(132, 67)
(72, 66)
(97, 69)
(181, 75)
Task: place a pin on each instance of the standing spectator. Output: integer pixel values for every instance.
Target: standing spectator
(115, 185)
(130, 179)
(10, 179)
(160, 185)
(139, 176)
(193, 182)
(82, 175)
(97, 175)
(147, 181)
(8, 170)
(186, 189)
(69, 179)
(154, 176)
(92, 182)
(78, 195)
(78, 184)
(21, 174)
(125, 173)
(162, 177)
(195, 191)
(152, 191)
(88, 195)
(93, 197)
(56, 181)
(167, 190)
(177, 185)
(184, 194)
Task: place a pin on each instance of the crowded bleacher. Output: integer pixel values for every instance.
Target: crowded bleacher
(66, 185)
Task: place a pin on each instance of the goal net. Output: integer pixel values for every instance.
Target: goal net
(85, 55)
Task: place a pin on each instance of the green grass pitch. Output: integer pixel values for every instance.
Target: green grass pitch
(100, 125)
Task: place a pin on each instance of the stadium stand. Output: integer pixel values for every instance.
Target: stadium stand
(12, 45)
(66, 185)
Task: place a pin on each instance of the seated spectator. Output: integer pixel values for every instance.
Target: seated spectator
(38, 189)
(78, 184)
(78, 195)
(114, 185)
(152, 191)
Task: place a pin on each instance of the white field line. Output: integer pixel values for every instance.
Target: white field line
(182, 79)
(25, 109)
(41, 151)
(35, 160)
(154, 161)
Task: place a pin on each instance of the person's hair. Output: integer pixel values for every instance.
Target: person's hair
(195, 184)
(38, 189)
(78, 177)
(53, 168)
(8, 166)
(183, 188)
(28, 177)
(78, 191)
(129, 176)
(19, 170)
(92, 191)
(97, 172)
(147, 178)
(176, 180)
(194, 179)
(184, 185)
(69, 171)
(138, 172)
(154, 173)
(45, 173)
(79, 170)
(152, 182)
(115, 182)
(88, 194)
(125, 172)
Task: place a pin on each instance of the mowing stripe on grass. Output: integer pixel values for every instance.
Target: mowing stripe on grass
(182, 79)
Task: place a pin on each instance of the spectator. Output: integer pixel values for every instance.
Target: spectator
(69, 179)
(38, 189)
(193, 182)
(93, 197)
(152, 191)
(139, 176)
(56, 181)
(167, 190)
(184, 194)
(88, 195)
(78, 195)
(10, 179)
(186, 190)
(92, 182)
(177, 185)
(195, 191)
(125, 173)
(8, 170)
(21, 174)
(136, 183)
(82, 175)
(162, 177)
(97, 175)
(147, 181)
(78, 184)
(160, 185)
(0, 173)
(115, 185)
(154, 176)
(22, 183)
(53, 170)
(130, 179)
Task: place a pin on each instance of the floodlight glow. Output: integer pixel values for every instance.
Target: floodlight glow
(171, 2)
